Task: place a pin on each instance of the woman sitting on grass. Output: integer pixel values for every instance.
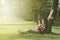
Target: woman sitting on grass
(39, 29)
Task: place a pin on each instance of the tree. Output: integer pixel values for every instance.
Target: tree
(52, 16)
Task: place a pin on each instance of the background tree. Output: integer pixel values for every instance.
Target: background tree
(32, 10)
(52, 15)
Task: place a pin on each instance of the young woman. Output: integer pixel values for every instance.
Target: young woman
(38, 29)
(42, 27)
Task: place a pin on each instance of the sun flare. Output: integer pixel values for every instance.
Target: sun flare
(2, 1)
(6, 11)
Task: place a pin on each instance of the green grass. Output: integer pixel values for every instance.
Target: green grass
(10, 32)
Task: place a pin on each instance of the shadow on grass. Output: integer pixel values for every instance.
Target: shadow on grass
(33, 32)
(35, 36)
(55, 33)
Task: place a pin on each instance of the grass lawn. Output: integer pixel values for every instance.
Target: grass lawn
(10, 32)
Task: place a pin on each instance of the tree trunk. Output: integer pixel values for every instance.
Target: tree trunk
(52, 15)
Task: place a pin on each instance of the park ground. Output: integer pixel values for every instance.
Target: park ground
(10, 32)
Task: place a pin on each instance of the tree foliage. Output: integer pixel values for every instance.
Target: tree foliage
(32, 8)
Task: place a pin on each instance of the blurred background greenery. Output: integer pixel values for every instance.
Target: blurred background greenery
(18, 10)
(18, 15)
